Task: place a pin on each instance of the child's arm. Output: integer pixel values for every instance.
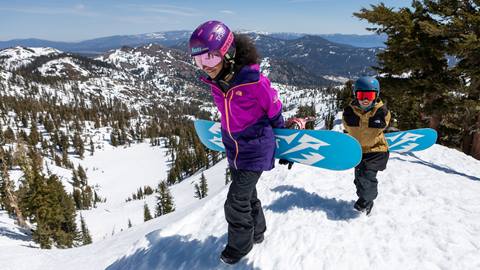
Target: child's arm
(349, 119)
(268, 98)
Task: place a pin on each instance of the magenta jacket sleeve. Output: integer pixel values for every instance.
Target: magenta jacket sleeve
(270, 102)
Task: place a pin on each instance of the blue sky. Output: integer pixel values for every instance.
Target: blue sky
(86, 19)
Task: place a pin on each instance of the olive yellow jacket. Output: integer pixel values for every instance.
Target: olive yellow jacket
(367, 126)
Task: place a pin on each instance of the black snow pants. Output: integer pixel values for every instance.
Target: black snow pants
(243, 212)
(366, 174)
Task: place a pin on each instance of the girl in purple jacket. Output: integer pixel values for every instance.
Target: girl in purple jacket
(250, 109)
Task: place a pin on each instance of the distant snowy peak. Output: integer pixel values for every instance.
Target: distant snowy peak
(154, 35)
(339, 79)
(149, 61)
(168, 35)
(13, 58)
(149, 54)
(257, 32)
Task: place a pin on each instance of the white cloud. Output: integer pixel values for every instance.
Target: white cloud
(79, 7)
(44, 10)
(164, 9)
(226, 11)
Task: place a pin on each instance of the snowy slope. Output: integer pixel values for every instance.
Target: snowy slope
(427, 216)
(13, 58)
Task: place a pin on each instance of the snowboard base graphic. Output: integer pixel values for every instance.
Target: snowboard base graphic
(411, 140)
(319, 148)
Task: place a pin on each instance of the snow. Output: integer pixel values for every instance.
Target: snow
(118, 173)
(155, 35)
(59, 67)
(265, 66)
(336, 78)
(426, 216)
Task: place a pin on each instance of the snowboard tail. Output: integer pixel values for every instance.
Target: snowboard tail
(411, 140)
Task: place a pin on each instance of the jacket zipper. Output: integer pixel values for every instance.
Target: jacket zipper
(227, 108)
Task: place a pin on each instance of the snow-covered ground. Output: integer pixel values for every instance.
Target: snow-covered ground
(427, 216)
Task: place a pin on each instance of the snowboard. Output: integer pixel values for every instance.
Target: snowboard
(411, 140)
(319, 148)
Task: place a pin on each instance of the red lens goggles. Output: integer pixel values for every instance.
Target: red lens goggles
(207, 59)
(369, 95)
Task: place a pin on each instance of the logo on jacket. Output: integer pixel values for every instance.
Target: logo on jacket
(377, 121)
(239, 93)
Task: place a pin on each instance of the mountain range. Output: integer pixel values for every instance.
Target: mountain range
(170, 38)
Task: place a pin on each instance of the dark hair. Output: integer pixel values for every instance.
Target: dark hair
(245, 51)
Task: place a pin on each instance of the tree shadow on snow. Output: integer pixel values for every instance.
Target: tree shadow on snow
(434, 166)
(335, 209)
(22, 235)
(178, 252)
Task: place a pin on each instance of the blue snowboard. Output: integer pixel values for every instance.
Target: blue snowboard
(411, 140)
(319, 148)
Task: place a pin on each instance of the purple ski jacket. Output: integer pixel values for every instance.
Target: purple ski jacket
(250, 110)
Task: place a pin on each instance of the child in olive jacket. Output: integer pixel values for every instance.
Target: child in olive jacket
(365, 118)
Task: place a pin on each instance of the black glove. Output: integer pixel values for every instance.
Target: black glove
(286, 162)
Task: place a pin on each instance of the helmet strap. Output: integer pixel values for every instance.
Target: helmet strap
(228, 71)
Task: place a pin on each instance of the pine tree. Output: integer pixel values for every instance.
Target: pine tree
(9, 135)
(201, 189)
(2, 137)
(82, 175)
(54, 214)
(165, 203)
(146, 213)
(87, 197)
(78, 145)
(34, 137)
(8, 196)
(92, 147)
(129, 223)
(140, 194)
(113, 138)
(86, 238)
(77, 198)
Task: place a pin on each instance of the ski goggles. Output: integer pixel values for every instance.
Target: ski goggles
(368, 95)
(207, 59)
